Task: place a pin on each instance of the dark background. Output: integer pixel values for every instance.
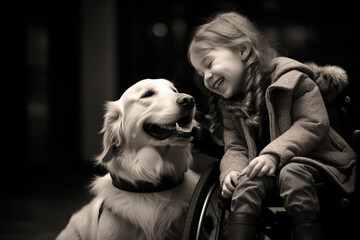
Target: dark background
(66, 58)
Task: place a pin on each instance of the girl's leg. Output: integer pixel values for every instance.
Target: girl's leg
(250, 194)
(246, 206)
(296, 182)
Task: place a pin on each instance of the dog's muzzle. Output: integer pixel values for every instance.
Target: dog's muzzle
(181, 128)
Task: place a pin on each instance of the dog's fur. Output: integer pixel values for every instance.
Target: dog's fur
(133, 154)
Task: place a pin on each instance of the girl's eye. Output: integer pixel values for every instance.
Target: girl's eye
(148, 94)
(210, 64)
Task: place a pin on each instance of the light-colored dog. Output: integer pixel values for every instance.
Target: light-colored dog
(146, 150)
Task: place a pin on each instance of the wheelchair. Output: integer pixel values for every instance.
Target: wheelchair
(208, 211)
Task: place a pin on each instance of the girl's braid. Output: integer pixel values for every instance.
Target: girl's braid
(248, 105)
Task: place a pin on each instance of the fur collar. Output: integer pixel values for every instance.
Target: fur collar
(331, 80)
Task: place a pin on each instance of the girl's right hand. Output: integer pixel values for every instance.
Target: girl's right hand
(230, 182)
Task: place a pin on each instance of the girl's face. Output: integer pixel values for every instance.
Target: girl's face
(222, 70)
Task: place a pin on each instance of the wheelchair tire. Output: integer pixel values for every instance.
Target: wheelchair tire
(204, 191)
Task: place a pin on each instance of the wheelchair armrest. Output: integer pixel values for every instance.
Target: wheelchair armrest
(329, 196)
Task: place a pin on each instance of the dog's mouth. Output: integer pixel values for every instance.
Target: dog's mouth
(180, 129)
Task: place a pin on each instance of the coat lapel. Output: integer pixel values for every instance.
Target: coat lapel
(249, 138)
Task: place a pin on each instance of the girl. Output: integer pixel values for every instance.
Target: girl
(275, 126)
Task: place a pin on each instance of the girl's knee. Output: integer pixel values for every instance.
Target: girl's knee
(294, 172)
(264, 182)
(294, 168)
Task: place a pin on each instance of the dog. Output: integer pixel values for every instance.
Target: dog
(147, 153)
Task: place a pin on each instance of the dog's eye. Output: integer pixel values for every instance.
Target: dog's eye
(147, 94)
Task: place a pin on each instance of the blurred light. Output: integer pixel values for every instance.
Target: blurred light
(160, 29)
(179, 27)
(296, 36)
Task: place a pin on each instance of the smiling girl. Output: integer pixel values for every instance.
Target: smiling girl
(275, 125)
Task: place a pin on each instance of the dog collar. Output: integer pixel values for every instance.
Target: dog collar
(165, 183)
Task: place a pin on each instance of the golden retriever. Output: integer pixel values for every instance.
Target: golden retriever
(147, 153)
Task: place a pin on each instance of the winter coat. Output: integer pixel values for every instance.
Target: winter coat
(299, 129)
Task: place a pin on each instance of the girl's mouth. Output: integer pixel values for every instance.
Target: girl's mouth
(219, 83)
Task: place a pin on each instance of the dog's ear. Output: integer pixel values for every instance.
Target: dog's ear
(112, 131)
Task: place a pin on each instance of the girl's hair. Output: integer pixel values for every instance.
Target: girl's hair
(236, 32)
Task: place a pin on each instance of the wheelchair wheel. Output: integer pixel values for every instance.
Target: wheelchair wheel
(205, 220)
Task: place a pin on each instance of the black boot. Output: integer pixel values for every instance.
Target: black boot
(242, 226)
(306, 226)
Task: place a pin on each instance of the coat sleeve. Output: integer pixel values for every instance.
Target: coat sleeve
(309, 122)
(236, 152)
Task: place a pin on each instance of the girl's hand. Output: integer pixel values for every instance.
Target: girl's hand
(229, 184)
(260, 166)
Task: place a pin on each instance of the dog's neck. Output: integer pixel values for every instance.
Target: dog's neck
(163, 150)
(173, 160)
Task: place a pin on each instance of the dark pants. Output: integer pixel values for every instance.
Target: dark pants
(296, 182)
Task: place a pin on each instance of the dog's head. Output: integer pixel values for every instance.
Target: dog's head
(149, 120)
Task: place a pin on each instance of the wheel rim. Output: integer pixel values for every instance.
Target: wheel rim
(218, 213)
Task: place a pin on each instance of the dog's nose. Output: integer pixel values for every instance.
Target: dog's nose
(186, 101)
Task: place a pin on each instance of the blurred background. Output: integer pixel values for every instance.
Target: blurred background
(66, 58)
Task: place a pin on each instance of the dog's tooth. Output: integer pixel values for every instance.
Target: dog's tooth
(178, 128)
(187, 129)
